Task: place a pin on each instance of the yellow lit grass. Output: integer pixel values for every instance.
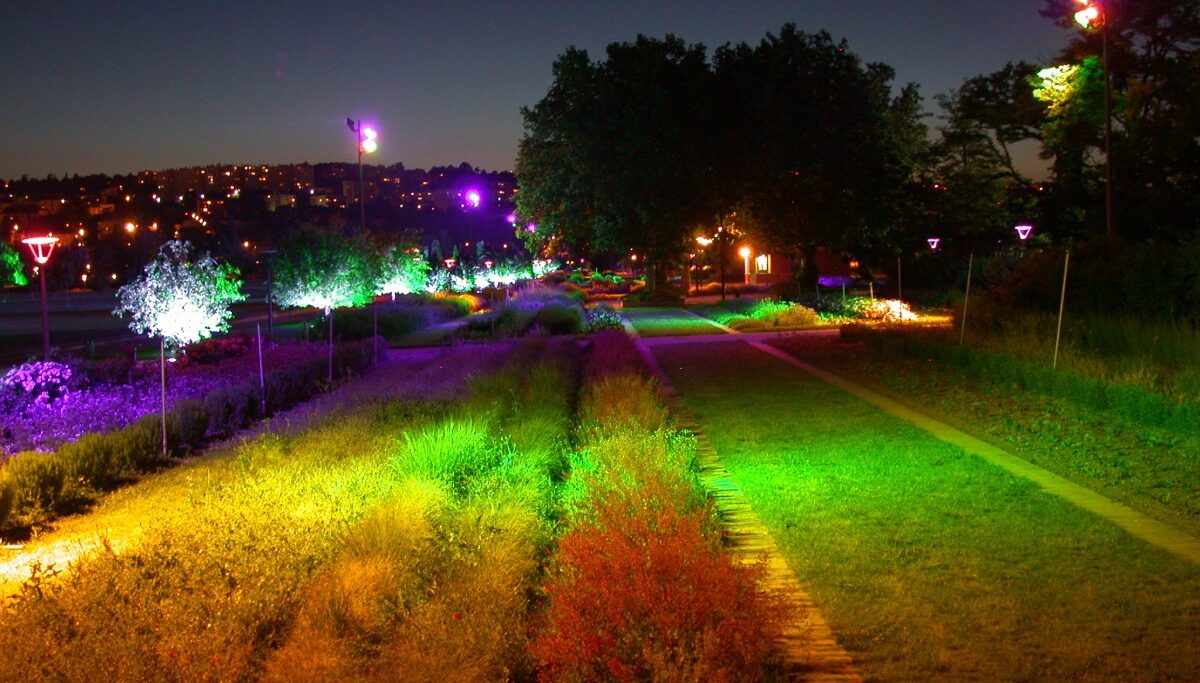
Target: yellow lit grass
(210, 585)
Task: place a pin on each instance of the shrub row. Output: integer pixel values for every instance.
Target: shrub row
(436, 582)
(639, 587)
(36, 487)
(1130, 402)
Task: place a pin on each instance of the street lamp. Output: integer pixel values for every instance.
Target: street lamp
(366, 136)
(42, 247)
(933, 243)
(1086, 17)
(744, 252)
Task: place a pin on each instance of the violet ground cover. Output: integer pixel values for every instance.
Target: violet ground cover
(28, 421)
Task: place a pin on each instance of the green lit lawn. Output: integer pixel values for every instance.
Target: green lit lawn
(668, 322)
(930, 564)
(1152, 469)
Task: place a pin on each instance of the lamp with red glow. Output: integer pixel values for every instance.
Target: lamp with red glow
(41, 247)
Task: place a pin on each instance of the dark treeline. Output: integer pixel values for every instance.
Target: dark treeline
(797, 143)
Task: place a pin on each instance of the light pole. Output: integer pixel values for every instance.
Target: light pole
(744, 252)
(365, 138)
(42, 247)
(1085, 18)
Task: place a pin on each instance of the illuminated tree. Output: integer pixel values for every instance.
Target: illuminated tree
(180, 300)
(12, 270)
(324, 269)
(401, 271)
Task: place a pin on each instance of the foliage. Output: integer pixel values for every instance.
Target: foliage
(35, 385)
(12, 269)
(97, 451)
(401, 272)
(323, 269)
(602, 317)
(617, 156)
(821, 150)
(180, 299)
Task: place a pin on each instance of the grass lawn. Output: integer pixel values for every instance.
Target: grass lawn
(1152, 469)
(928, 563)
(667, 322)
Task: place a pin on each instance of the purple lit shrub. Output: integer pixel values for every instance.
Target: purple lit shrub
(65, 405)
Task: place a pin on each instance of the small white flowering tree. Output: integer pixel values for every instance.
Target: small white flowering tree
(180, 299)
(401, 271)
(324, 269)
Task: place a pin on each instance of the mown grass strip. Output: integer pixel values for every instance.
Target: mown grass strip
(668, 322)
(929, 563)
(1150, 530)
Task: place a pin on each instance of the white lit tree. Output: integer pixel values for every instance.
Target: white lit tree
(181, 299)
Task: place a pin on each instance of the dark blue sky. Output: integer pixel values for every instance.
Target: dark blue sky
(94, 86)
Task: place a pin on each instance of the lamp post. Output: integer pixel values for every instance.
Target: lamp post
(366, 144)
(744, 252)
(42, 247)
(1085, 17)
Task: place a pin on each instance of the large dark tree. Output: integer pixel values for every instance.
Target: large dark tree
(823, 149)
(617, 156)
(1154, 72)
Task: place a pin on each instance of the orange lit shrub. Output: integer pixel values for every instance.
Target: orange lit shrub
(646, 594)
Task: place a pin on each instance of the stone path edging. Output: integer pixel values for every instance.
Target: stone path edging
(1137, 524)
(808, 649)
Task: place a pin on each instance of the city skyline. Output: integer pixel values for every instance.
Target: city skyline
(149, 86)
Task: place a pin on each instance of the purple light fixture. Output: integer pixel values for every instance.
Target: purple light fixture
(934, 242)
(1023, 231)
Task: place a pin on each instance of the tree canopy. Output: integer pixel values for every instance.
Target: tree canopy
(181, 298)
(323, 268)
(641, 150)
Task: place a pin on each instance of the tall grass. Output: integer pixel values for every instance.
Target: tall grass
(436, 583)
(1159, 355)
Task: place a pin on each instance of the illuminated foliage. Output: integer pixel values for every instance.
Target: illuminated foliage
(323, 269)
(180, 298)
(12, 270)
(401, 272)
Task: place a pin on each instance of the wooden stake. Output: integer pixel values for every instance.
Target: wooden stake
(1062, 303)
(962, 336)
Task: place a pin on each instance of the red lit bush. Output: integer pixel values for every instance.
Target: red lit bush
(646, 594)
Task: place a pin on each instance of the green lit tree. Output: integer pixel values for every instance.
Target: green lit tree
(179, 298)
(323, 268)
(12, 270)
(401, 271)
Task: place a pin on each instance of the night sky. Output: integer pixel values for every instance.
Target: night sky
(90, 87)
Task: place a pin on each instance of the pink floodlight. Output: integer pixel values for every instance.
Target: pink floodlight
(531, 228)
(41, 247)
(933, 242)
(512, 219)
(1023, 231)
(369, 133)
(473, 198)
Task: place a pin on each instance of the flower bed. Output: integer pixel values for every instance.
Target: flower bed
(76, 399)
(639, 587)
(91, 439)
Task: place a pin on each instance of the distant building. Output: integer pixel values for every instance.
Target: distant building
(277, 201)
